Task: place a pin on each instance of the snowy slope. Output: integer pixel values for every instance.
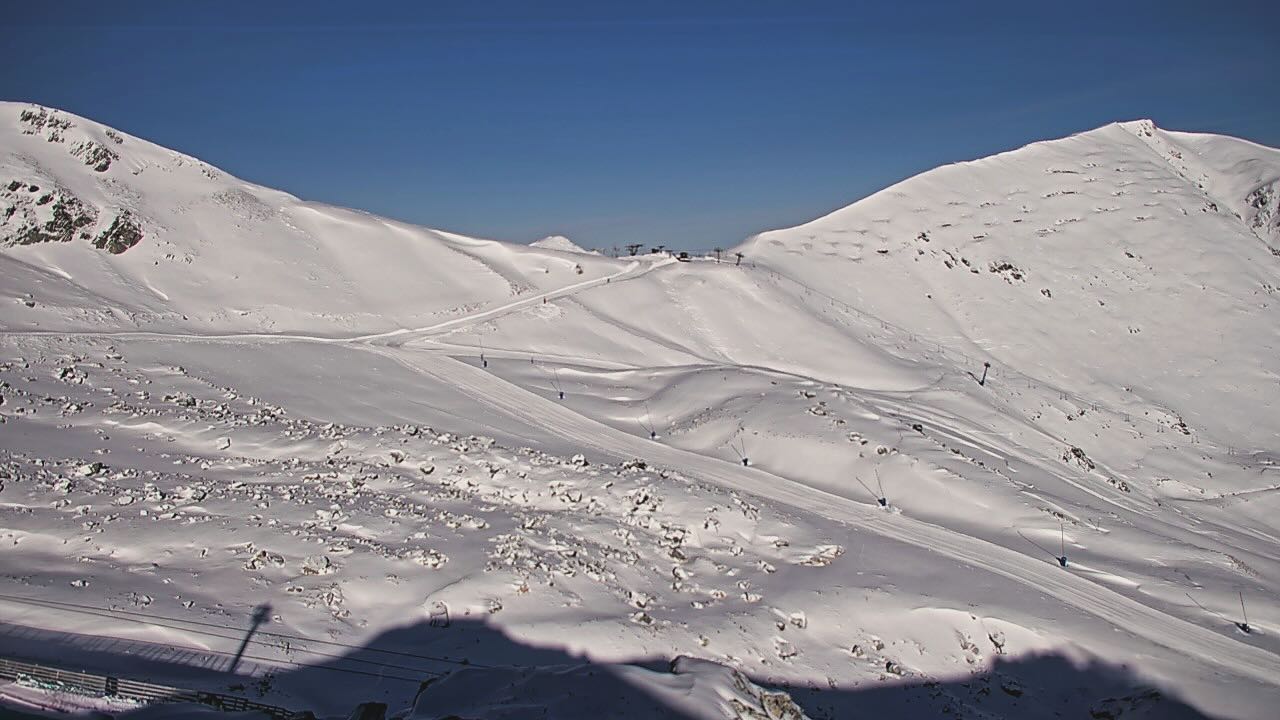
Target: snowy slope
(220, 253)
(786, 465)
(1098, 251)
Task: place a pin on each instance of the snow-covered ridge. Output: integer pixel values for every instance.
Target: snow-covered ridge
(201, 248)
(56, 214)
(1105, 245)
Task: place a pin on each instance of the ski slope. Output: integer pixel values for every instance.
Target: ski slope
(793, 466)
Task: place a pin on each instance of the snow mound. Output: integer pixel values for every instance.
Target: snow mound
(692, 690)
(560, 243)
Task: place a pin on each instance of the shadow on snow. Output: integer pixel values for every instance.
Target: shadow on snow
(470, 669)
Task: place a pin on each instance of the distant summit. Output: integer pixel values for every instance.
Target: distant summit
(561, 243)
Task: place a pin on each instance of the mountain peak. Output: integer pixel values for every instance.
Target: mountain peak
(560, 243)
(155, 234)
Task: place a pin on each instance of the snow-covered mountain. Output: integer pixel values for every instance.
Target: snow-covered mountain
(184, 244)
(794, 462)
(1118, 254)
(560, 242)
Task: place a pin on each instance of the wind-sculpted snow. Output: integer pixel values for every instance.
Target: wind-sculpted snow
(998, 441)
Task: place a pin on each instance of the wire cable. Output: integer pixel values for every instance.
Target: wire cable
(146, 619)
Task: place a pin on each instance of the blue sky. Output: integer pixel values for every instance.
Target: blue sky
(690, 124)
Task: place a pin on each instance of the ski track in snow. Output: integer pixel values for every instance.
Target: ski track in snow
(1091, 597)
(1128, 615)
(1162, 629)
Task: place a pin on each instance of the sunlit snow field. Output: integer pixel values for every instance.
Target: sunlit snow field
(436, 455)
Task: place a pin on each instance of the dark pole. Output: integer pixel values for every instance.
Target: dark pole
(261, 614)
(985, 367)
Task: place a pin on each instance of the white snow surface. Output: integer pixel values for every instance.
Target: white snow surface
(562, 243)
(551, 473)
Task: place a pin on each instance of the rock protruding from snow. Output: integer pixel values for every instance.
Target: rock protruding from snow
(30, 214)
(204, 243)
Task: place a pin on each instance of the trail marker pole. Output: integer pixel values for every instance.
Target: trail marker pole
(985, 367)
(1244, 626)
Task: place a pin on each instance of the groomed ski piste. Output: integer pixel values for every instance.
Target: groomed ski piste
(998, 441)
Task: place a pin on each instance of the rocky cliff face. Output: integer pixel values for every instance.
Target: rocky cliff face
(32, 211)
(1264, 219)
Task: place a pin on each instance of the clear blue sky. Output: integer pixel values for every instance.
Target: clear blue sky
(691, 124)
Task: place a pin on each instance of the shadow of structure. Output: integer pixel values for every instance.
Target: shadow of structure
(469, 669)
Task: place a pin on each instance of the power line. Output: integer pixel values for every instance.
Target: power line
(270, 660)
(146, 619)
(222, 627)
(229, 637)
